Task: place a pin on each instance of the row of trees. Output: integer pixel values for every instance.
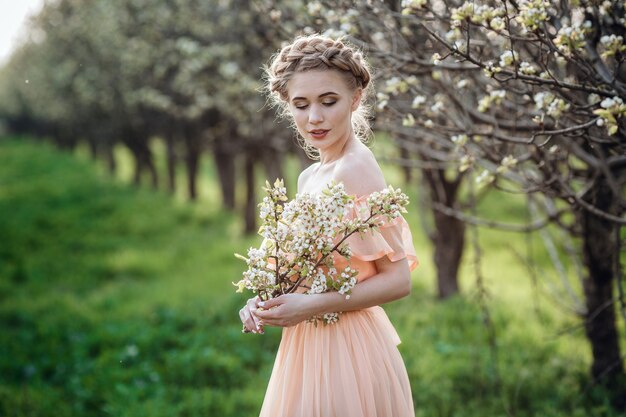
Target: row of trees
(521, 96)
(126, 71)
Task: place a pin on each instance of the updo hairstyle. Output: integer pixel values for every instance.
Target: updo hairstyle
(317, 52)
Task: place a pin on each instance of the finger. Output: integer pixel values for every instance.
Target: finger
(257, 323)
(242, 316)
(252, 309)
(264, 315)
(272, 302)
(273, 323)
(253, 302)
(249, 321)
(255, 320)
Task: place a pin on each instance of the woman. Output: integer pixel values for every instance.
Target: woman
(352, 367)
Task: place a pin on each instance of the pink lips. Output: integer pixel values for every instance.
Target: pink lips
(318, 133)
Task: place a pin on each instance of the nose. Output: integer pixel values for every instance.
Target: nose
(315, 115)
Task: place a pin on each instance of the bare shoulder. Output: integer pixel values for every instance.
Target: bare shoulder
(305, 174)
(359, 171)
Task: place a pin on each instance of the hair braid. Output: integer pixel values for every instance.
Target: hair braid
(316, 52)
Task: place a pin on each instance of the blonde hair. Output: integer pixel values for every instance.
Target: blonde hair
(317, 52)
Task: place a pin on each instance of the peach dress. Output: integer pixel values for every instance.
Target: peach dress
(351, 368)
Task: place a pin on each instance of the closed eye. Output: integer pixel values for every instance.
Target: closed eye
(325, 103)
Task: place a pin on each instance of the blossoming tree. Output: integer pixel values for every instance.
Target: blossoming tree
(525, 96)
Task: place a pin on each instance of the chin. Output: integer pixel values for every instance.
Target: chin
(317, 144)
(321, 143)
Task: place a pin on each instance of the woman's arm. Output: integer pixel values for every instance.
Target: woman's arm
(392, 282)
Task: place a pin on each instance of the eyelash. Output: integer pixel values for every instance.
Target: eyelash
(325, 104)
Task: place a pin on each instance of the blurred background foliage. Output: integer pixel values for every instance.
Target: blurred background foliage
(118, 301)
(135, 139)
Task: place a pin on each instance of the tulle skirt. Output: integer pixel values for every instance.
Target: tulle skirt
(348, 369)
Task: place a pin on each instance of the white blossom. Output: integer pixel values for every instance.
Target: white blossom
(508, 58)
(314, 8)
(548, 102)
(610, 110)
(382, 100)
(395, 86)
(490, 69)
(438, 106)
(527, 68)
(506, 164)
(459, 140)
(485, 177)
(418, 101)
(462, 83)
(570, 39)
(494, 97)
(409, 6)
(408, 120)
(465, 163)
(532, 13)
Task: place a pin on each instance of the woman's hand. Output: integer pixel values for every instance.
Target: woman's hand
(286, 310)
(246, 314)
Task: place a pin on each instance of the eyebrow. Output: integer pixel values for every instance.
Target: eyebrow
(329, 93)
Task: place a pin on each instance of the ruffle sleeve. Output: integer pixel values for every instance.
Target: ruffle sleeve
(393, 239)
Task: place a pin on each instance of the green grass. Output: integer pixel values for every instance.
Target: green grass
(117, 301)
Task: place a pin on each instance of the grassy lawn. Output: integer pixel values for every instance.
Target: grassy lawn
(117, 301)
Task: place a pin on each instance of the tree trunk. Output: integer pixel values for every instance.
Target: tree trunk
(138, 166)
(149, 161)
(406, 170)
(171, 162)
(273, 161)
(250, 208)
(449, 241)
(225, 163)
(193, 163)
(110, 158)
(599, 249)
(143, 159)
(304, 159)
(449, 234)
(93, 148)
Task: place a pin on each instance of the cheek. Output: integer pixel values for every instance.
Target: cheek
(341, 115)
(300, 119)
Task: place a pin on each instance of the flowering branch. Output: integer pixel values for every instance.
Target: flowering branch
(303, 233)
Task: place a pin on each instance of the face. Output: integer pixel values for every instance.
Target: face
(322, 103)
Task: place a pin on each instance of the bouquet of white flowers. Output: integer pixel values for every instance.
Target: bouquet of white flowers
(301, 235)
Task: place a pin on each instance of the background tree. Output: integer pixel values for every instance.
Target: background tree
(526, 97)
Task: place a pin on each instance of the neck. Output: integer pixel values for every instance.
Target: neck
(336, 151)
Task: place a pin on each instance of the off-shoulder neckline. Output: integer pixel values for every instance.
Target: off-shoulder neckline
(356, 197)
